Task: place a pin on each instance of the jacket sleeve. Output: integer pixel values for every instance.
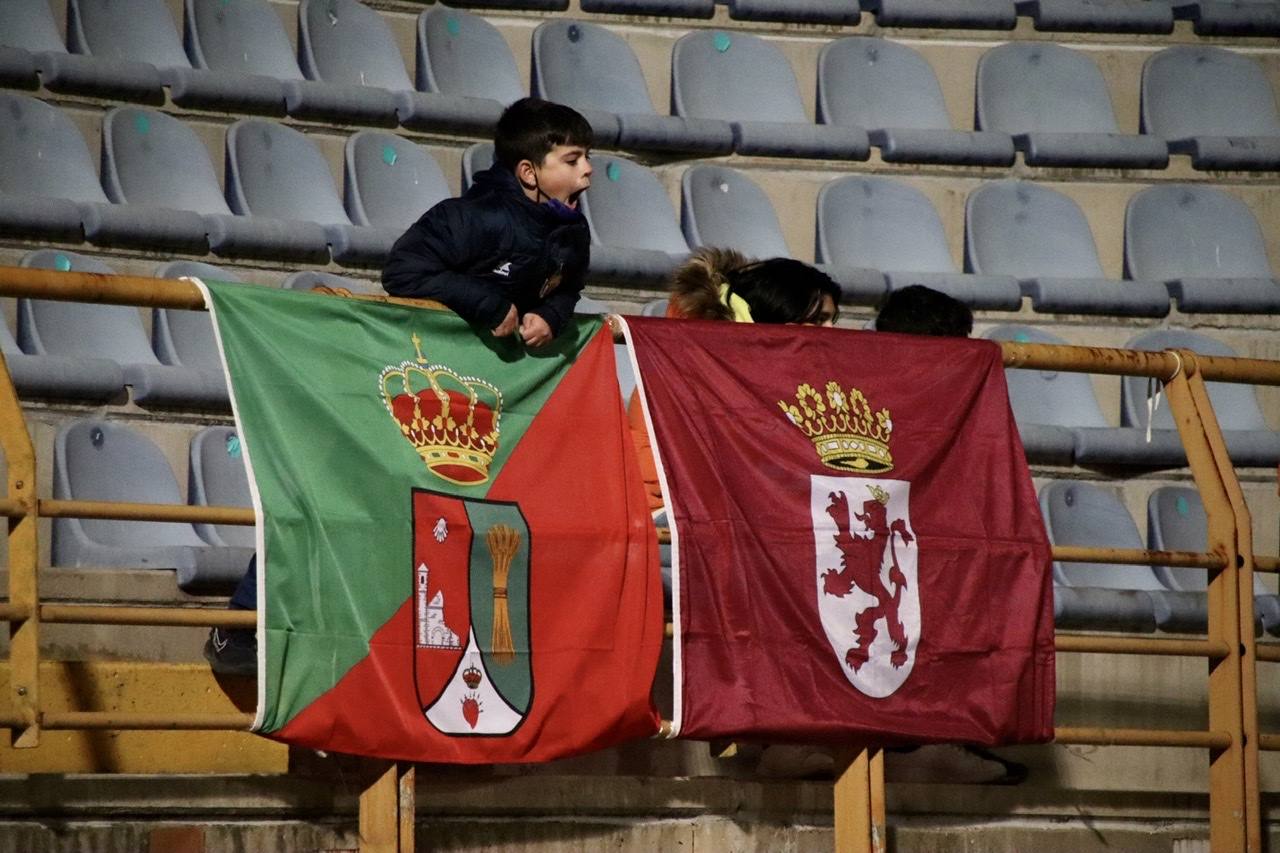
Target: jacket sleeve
(426, 263)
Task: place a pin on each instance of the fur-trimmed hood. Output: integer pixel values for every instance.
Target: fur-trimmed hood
(695, 288)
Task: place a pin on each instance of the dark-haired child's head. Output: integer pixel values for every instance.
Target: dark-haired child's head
(547, 147)
(920, 310)
(783, 290)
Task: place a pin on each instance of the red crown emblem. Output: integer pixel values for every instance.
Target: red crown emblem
(451, 420)
(472, 676)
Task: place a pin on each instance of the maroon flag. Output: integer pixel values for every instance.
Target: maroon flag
(857, 549)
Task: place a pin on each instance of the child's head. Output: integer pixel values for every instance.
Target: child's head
(783, 290)
(547, 147)
(920, 310)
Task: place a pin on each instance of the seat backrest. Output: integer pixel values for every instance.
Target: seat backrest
(628, 207)
(389, 181)
(587, 67)
(882, 224)
(1177, 231)
(242, 36)
(463, 54)
(1176, 522)
(475, 158)
(733, 77)
(1085, 515)
(186, 338)
(307, 279)
(43, 154)
(1235, 405)
(134, 30)
(29, 24)
(152, 158)
(655, 308)
(876, 83)
(1048, 397)
(276, 171)
(1192, 90)
(1020, 229)
(195, 269)
(722, 207)
(217, 477)
(1037, 86)
(347, 43)
(99, 461)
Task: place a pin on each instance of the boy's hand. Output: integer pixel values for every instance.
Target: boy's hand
(535, 331)
(508, 324)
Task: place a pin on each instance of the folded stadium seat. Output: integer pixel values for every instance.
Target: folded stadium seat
(595, 71)
(1176, 521)
(1213, 104)
(1040, 237)
(95, 460)
(80, 331)
(217, 477)
(1099, 16)
(345, 43)
(308, 279)
(1231, 17)
(634, 233)
(278, 173)
(1055, 104)
(186, 338)
(797, 11)
(242, 41)
(663, 8)
(891, 227)
(27, 29)
(1250, 442)
(466, 74)
(389, 182)
(1205, 245)
(1099, 596)
(948, 14)
(744, 80)
(49, 187)
(475, 158)
(106, 74)
(890, 90)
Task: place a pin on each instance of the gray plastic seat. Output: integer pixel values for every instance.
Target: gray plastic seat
(891, 91)
(217, 477)
(186, 338)
(949, 14)
(797, 11)
(595, 71)
(96, 65)
(475, 158)
(1099, 16)
(722, 207)
(1055, 104)
(655, 308)
(244, 43)
(27, 29)
(100, 461)
(1250, 442)
(1041, 237)
(466, 74)
(82, 331)
(1231, 17)
(308, 279)
(890, 226)
(665, 8)
(276, 172)
(346, 44)
(1205, 245)
(744, 80)
(634, 233)
(589, 306)
(390, 181)
(1213, 104)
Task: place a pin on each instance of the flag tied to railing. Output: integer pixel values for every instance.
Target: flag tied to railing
(857, 550)
(456, 563)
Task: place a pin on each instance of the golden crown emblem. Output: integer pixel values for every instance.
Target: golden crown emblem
(451, 420)
(844, 430)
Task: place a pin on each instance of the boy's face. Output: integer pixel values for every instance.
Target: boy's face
(564, 173)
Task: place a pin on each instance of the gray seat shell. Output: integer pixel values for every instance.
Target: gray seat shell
(796, 11)
(948, 14)
(722, 207)
(665, 8)
(389, 181)
(466, 74)
(27, 29)
(217, 477)
(1230, 17)
(308, 279)
(634, 232)
(1099, 16)
(186, 338)
(243, 42)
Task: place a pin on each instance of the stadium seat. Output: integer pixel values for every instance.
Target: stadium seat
(1213, 104)
(1041, 237)
(948, 14)
(186, 338)
(99, 37)
(217, 477)
(890, 226)
(1099, 16)
(1250, 442)
(745, 80)
(242, 40)
(308, 279)
(278, 173)
(723, 207)
(346, 44)
(475, 158)
(1205, 245)
(99, 461)
(595, 71)
(634, 233)
(465, 73)
(665, 8)
(890, 90)
(1055, 104)
(1176, 521)
(1230, 17)
(84, 331)
(27, 29)
(390, 181)
(587, 305)
(844, 12)
(655, 308)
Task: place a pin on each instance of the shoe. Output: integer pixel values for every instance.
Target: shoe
(785, 761)
(953, 764)
(232, 651)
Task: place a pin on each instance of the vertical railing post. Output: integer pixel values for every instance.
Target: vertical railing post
(387, 810)
(852, 796)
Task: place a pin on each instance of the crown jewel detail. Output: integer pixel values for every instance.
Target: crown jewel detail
(846, 433)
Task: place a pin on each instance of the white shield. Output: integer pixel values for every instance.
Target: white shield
(866, 578)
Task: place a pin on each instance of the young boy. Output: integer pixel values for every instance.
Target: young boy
(511, 254)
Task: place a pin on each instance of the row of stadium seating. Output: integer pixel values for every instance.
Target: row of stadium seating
(728, 92)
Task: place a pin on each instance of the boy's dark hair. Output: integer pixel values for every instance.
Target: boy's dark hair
(783, 290)
(531, 127)
(920, 310)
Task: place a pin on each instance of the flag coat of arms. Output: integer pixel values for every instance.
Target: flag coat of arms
(456, 563)
(857, 551)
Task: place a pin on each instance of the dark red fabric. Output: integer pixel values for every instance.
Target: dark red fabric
(753, 660)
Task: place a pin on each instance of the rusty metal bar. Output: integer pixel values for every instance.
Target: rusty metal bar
(1138, 646)
(122, 722)
(1269, 652)
(92, 614)
(1271, 743)
(146, 512)
(1136, 557)
(13, 612)
(1085, 735)
(1266, 564)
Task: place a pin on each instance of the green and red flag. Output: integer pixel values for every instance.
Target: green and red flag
(456, 562)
